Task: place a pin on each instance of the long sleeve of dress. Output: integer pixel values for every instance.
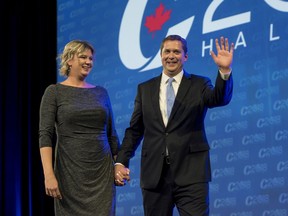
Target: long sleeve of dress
(47, 117)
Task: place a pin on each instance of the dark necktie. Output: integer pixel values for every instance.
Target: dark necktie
(170, 96)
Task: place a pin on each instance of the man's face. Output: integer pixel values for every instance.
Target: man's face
(173, 57)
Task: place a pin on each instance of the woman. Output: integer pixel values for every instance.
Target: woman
(82, 178)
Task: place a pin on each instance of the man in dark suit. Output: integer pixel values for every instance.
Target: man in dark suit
(175, 164)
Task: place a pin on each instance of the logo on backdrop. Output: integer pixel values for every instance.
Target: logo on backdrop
(155, 21)
(129, 33)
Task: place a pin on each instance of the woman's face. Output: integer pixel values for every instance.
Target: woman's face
(81, 64)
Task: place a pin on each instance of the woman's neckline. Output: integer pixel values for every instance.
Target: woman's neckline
(80, 87)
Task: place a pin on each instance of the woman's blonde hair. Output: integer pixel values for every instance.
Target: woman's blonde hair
(70, 49)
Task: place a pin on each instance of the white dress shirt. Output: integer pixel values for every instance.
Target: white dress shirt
(162, 96)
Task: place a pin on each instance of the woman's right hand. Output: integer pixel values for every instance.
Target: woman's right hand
(51, 187)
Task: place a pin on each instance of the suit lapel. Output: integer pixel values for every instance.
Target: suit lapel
(182, 91)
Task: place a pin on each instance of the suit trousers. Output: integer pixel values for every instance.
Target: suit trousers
(190, 200)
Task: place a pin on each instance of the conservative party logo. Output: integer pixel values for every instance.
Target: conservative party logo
(129, 34)
(133, 19)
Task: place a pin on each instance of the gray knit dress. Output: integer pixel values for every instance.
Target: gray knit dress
(86, 141)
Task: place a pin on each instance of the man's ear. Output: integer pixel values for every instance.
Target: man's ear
(186, 57)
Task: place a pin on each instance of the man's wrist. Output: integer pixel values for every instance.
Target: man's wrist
(225, 74)
(119, 164)
(225, 70)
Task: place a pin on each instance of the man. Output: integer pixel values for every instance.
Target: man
(175, 164)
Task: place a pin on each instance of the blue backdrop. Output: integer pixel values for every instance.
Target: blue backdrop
(249, 137)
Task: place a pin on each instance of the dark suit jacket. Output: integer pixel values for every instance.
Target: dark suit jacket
(185, 132)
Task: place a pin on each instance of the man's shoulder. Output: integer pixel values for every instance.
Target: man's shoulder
(150, 81)
(193, 76)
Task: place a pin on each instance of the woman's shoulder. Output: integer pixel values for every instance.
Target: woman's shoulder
(50, 91)
(89, 85)
(50, 88)
(101, 88)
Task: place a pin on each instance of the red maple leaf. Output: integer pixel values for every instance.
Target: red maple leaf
(155, 22)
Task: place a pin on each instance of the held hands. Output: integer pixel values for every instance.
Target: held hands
(121, 175)
(224, 56)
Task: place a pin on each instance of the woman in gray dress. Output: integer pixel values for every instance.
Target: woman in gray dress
(81, 181)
